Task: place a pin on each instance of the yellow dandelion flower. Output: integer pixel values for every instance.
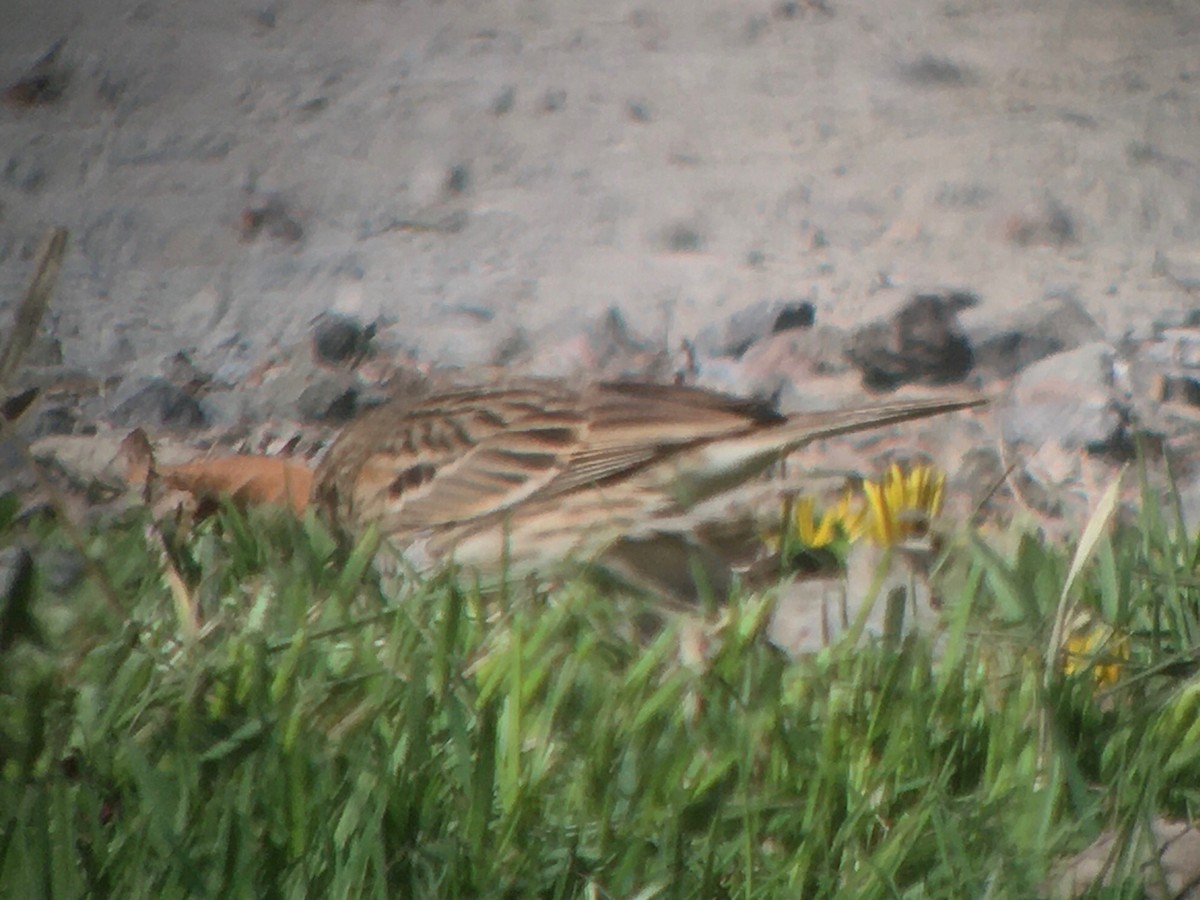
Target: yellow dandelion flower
(899, 507)
(810, 529)
(804, 526)
(1097, 646)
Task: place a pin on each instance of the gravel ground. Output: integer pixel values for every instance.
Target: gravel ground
(479, 176)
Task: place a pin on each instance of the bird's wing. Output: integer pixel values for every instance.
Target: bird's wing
(469, 454)
(454, 457)
(632, 425)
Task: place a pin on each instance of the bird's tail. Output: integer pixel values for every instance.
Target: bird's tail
(725, 463)
(802, 428)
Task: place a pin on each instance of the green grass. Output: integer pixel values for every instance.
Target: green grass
(323, 738)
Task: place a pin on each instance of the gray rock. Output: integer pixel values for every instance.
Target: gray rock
(1168, 864)
(328, 399)
(54, 420)
(935, 71)
(340, 340)
(736, 334)
(296, 389)
(1005, 346)
(617, 348)
(44, 350)
(605, 348)
(782, 367)
(458, 179)
(12, 466)
(923, 343)
(503, 102)
(638, 111)
(683, 238)
(1051, 226)
(155, 402)
(179, 368)
(1068, 398)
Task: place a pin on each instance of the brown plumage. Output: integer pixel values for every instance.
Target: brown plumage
(520, 478)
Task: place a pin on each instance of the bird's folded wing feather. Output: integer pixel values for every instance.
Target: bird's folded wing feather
(546, 450)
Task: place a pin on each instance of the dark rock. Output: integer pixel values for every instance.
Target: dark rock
(275, 218)
(179, 369)
(922, 344)
(40, 89)
(554, 100)
(310, 108)
(504, 100)
(1180, 389)
(458, 179)
(937, 72)
(735, 335)
(638, 111)
(794, 315)
(158, 403)
(328, 400)
(54, 420)
(513, 348)
(340, 340)
(267, 16)
(43, 83)
(1058, 323)
(1052, 226)
(15, 405)
(682, 238)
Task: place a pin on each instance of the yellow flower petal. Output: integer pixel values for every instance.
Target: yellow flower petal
(812, 530)
(1098, 646)
(900, 506)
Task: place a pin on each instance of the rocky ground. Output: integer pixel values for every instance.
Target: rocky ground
(281, 212)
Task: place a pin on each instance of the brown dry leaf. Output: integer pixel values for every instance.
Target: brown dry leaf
(248, 480)
(138, 456)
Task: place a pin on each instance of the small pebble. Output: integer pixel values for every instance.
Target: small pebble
(340, 340)
(158, 403)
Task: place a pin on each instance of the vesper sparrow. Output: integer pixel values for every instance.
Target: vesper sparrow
(517, 479)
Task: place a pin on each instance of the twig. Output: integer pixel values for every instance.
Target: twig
(25, 324)
(29, 314)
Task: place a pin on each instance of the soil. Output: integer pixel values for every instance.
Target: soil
(470, 174)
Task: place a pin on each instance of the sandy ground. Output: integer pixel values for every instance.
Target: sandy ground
(474, 171)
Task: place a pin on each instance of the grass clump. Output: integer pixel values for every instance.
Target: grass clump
(318, 737)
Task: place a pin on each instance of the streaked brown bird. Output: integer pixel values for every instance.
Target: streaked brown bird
(519, 479)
